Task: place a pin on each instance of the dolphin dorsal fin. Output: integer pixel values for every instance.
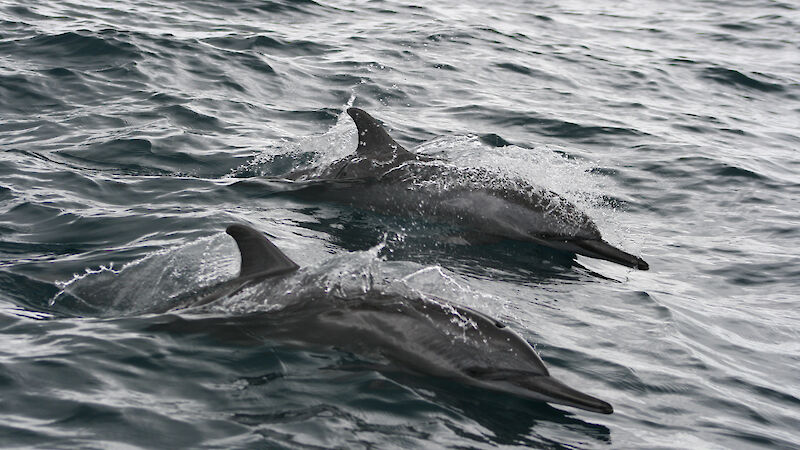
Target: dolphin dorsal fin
(373, 141)
(259, 255)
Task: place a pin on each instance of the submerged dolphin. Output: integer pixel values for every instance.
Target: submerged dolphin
(385, 177)
(413, 334)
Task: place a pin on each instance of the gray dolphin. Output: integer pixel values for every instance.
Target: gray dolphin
(383, 176)
(414, 334)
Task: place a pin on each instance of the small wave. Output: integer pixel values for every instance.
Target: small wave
(193, 120)
(532, 72)
(23, 94)
(735, 78)
(586, 133)
(151, 156)
(293, 6)
(75, 49)
(270, 45)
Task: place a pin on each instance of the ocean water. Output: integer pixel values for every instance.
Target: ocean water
(133, 133)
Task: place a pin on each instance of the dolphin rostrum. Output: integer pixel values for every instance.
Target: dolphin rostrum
(415, 333)
(382, 176)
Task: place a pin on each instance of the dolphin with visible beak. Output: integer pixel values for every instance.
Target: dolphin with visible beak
(415, 334)
(384, 177)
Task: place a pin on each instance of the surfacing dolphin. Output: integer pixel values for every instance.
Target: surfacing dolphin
(414, 334)
(382, 176)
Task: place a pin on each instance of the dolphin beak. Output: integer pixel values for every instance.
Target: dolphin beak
(603, 250)
(549, 389)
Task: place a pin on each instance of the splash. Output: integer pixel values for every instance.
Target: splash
(153, 279)
(358, 276)
(310, 152)
(475, 164)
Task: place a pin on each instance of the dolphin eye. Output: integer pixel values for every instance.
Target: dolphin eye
(499, 325)
(476, 372)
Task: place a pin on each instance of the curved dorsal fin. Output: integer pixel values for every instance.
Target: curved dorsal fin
(373, 141)
(259, 255)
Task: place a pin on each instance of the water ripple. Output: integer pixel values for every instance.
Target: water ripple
(131, 135)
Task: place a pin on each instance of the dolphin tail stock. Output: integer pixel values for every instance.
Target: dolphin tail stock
(598, 248)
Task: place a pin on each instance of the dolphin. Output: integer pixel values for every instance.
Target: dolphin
(384, 177)
(417, 334)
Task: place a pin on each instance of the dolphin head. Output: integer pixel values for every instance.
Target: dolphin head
(495, 357)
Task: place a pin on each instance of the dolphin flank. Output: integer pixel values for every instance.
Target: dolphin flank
(384, 177)
(415, 334)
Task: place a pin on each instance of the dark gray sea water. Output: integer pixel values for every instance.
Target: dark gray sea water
(133, 133)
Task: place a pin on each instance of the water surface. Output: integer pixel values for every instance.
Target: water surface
(132, 133)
